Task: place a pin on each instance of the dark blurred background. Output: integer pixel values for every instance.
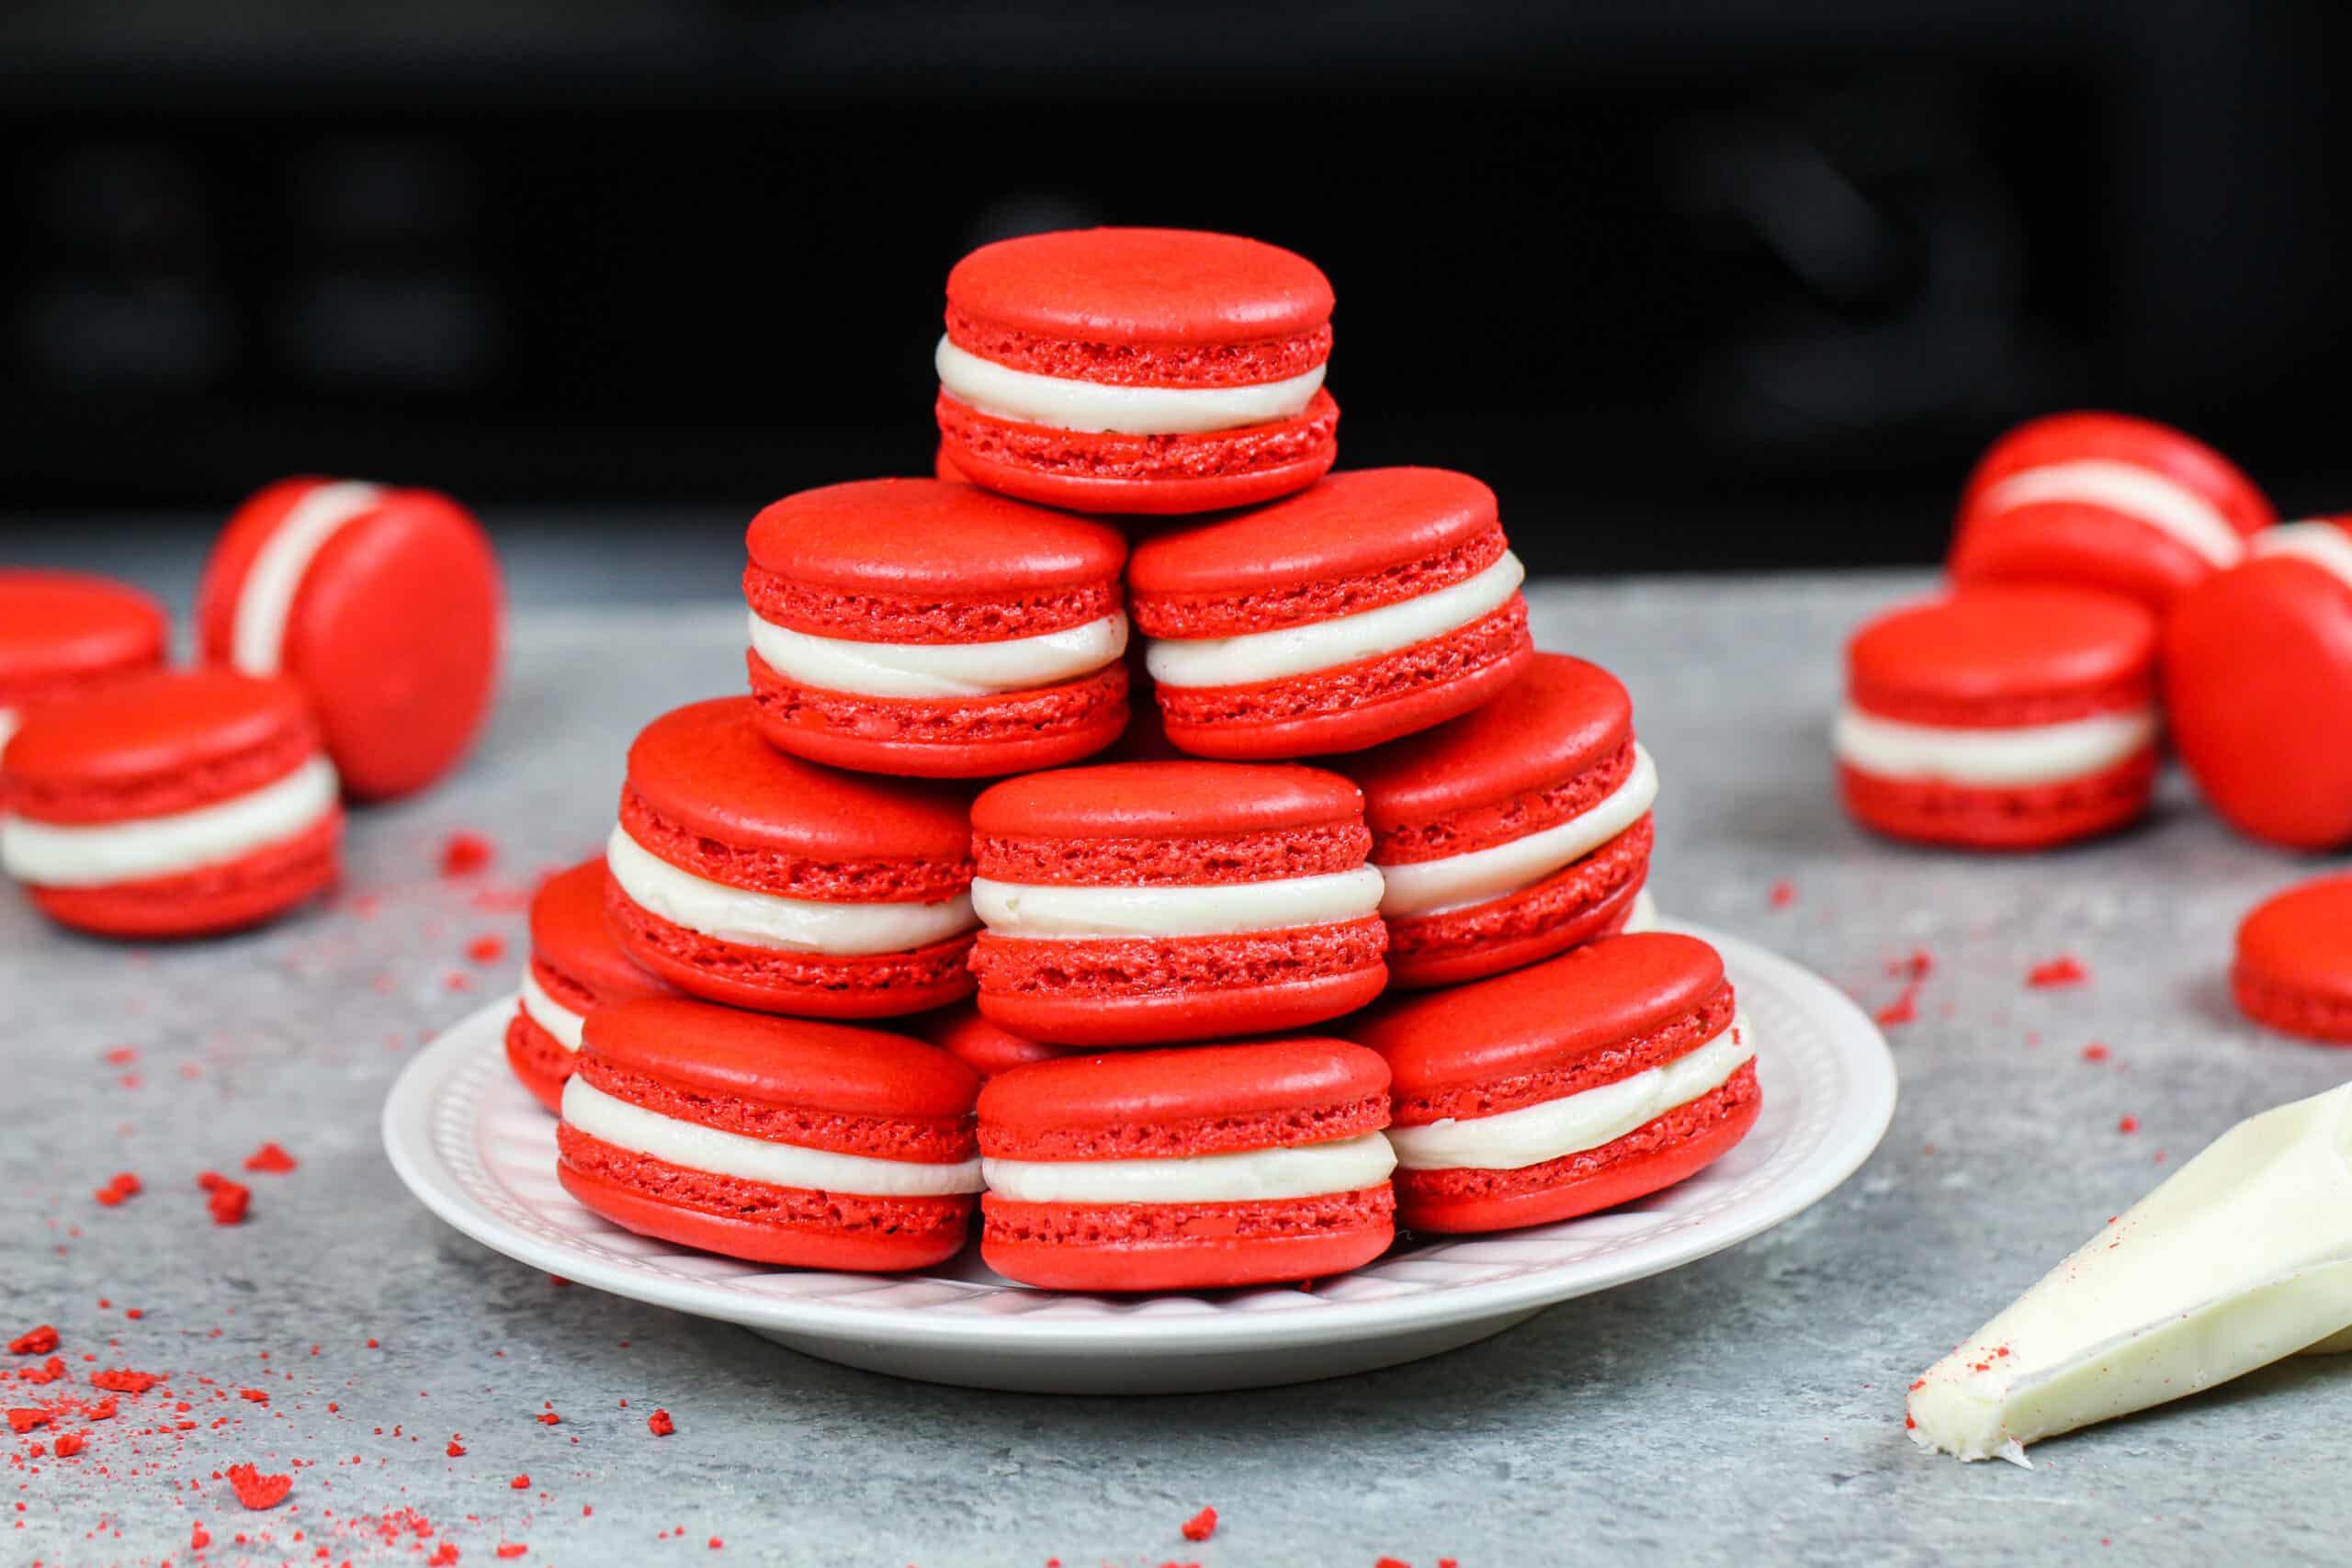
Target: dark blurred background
(1723, 283)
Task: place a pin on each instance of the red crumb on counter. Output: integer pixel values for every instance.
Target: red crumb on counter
(1783, 894)
(521, 1484)
(229, 1202)
(2128, 1124)
(271, 1157)
(1200, 1526)
(37, 1341)
(255, 1489)
(2062, 970)
(1904, 1008)
(488, 948)
(2096, 1053)
(462, 854)
(660, 1424)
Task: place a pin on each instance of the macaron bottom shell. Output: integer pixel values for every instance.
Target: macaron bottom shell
(987, 737)
(1671, 1148)
(208, 901)
(2291, 1009)
(2034, 817)
(1588, 898)
(1184, 1246)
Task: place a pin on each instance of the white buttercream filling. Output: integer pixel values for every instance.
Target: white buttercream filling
(2324, 544)
(1343, 639)
(939, 668)
(764, 920)
(721, 1153)
(1037, 909)
(2143, 494)
(50, 855)
(1064, 403)
(1434, 886)
(2028, 754)
(1513, 1140)
(1303, 1170)
(549, 1013)
(1643, 917)
(257, 633)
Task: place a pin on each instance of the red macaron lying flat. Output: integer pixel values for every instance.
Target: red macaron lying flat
(170, 804)
(913, 627)
(1172, 1170)
(1145, 903)
(1137, 370)
(2258, 686)
(63, 634)
(2294, 961)
(770, 1139)
(575, 968)
(2009, 717)
(383, 604)
(964, 1033)
(1381, 601)
(1586, 1081)
(1513, 832)
(2105, 501)
(746, 876)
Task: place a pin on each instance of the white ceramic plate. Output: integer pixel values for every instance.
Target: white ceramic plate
(481, 1153)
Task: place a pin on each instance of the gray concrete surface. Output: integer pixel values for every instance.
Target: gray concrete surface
(1745, 1410)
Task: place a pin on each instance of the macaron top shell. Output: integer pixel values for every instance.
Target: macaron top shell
(568, 934)
(2090, 433)
(1562, 717)
(165, 740)
(926, 536)
(1139, 286)
(1198, 1098)
(1187, 799)
(1992, 654)
(705, 769)
(1362, 528)
(59, 628)
(787, 1064)
(2301, 939)
(1555, 1014)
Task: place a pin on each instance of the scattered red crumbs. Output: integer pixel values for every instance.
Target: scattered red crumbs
(1918, 966)
(122, 1380)
(512, 1549)
(2096, 1053)
(271, 1157)
(660, 1424)
(69, 1445)
(199, 1537)
(444, 1556)
(521, 1484)
(487, 949)
(25, 1418)
(1200, 1526)
(2128, 1124)
(38, 1341)
(1783, 894)
(462, 854)
(255, 1489)
(2062, 970)
(1904, 1008)
(47, 1371)
(229, 1202)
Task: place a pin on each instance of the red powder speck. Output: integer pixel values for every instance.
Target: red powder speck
(512, 1549)
(660, 1424)
(488, 948)
(1390, 1563)
(456, 980)
(127, 1184)
(521, 1484)
(1783, 894)
(122, 1057)
(1918, 966)
(462, 854)
(255, 1489)
(715, 1543)
(37, 1341)
(2128, 1124)
(197, 1536)
(1200, 1526)
(2062, 970)
(371, 1344)
(443, 1557)
(2096, 1053)
(1904, 1008)
(549, 1418)
(229, 1202)
(271, 1157)
(107, 1197)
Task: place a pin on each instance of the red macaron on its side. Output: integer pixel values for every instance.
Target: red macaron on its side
(1585, 1081)
(383, 604)
(1381, 601)
(774, 1140)
(170, 804)
(2009, 717)
(1146, 903)
(2258, 687)
(746, 876)
(575, 968)
(1196, 1170)
(2105, 501)
(63, 634)
(2293, 971)
(917, 627)
(1137, 370)
(1513, 832)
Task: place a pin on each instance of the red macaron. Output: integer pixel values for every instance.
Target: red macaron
(1586, 1081)
(2258, 686)
(2105, 501)
(774, 1140)
(1173, 1170)
(63, 634)
(1137, 370)
(964, 1033)
(1381, 601)
(170, 804)
(2294, 961)
(917, 627)
(383, 604)
(746, 876)
(2009, 717)
(575, 968)
(1513, 832)
(1145, 903)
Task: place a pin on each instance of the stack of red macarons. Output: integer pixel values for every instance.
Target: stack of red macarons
(347, 642)
(1287, 882)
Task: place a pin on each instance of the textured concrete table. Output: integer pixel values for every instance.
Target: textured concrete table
(1745, 1410)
